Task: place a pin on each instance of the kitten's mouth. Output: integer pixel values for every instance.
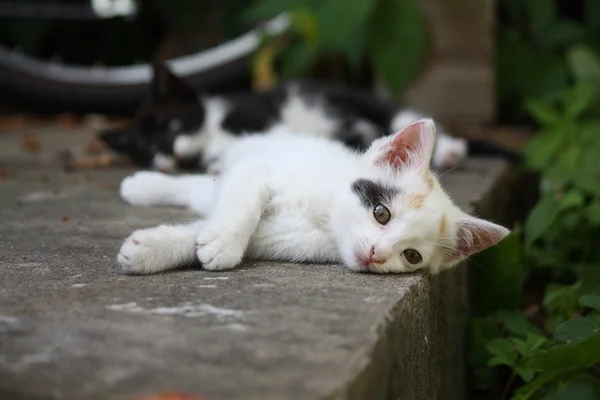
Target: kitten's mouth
(367, 264)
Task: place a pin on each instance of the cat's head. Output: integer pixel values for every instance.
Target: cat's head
(173, 109)
(397, 217)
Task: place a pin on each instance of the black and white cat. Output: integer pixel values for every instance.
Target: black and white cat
(178, 127)
(295, 197)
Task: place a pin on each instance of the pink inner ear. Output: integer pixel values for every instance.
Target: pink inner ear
(406, 142)
(473, 237)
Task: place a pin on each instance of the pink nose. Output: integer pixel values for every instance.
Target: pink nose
(376, 259)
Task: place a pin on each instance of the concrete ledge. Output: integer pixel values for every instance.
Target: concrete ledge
(71, 327)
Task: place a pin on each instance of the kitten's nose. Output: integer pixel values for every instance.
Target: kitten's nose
(376, 258)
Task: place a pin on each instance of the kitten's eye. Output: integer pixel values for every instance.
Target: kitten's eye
(381, 214)
(412, 256)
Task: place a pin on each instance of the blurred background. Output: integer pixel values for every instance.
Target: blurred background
(523, 74)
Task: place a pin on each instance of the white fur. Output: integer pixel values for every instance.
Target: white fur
(287, 196)
(163, 162)
(211, 140)
(298, 115)
(301, 116)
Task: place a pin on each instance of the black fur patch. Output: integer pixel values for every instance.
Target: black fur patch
(372, 193)
(251, 112)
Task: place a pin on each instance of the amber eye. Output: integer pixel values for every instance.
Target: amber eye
(381, 214)
(412, 256)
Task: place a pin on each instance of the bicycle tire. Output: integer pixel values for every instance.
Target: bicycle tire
(55, 87)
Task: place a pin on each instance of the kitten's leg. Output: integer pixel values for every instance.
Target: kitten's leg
(242, 197)
(146, 188)
(160, 248)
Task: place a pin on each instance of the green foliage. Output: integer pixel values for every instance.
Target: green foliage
(549, 67)
(391, 34)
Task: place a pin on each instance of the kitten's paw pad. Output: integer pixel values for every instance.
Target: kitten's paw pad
(141, 251)
(217, 251)
(144, 188)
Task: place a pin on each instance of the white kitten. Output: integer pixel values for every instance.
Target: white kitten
(301, 198)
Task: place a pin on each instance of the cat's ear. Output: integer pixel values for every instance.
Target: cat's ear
(412, 146)
(472, 236)
(165, 84)
(118, 140)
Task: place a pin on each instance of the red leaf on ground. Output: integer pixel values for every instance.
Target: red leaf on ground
(31, 143)
(3, 174)
(64, 218)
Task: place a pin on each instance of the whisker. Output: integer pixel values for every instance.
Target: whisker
(450, 170)
(480, 266)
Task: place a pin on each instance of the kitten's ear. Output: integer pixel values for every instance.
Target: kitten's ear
(412, 146)
(472, 236)
(165, 84)
(118, 140)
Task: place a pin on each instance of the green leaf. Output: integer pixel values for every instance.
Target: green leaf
(339, 23)
(590, 278)
(266, 9)
(526, 391)
(543, 149)
(526, 373)
(579, 354)
(578, 99)
(575, 390)
(571, 199)
(397, 42)
(593, 213)
(544, 113)
(590, 301)
(575, 329)
(297, 58)
(502, 351)
(561, 361)
(535, 342)
(560, 33)
(517, 324)
(562, 299)
(541, 217)
(585, 64)
(355, 50)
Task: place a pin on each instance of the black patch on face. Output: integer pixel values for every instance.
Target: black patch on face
(372, 193)
(173, 108)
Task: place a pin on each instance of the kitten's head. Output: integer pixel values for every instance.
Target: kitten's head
(397, 217)
(172, 109)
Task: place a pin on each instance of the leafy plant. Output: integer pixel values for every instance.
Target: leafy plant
(547, 333)
(390, 33)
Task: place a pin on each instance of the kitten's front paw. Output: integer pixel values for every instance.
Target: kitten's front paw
(218, 251)
(145, 251)
(144, 188)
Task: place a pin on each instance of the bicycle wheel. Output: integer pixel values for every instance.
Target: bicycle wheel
(116, 89)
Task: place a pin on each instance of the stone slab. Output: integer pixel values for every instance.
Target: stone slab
(72, 327)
